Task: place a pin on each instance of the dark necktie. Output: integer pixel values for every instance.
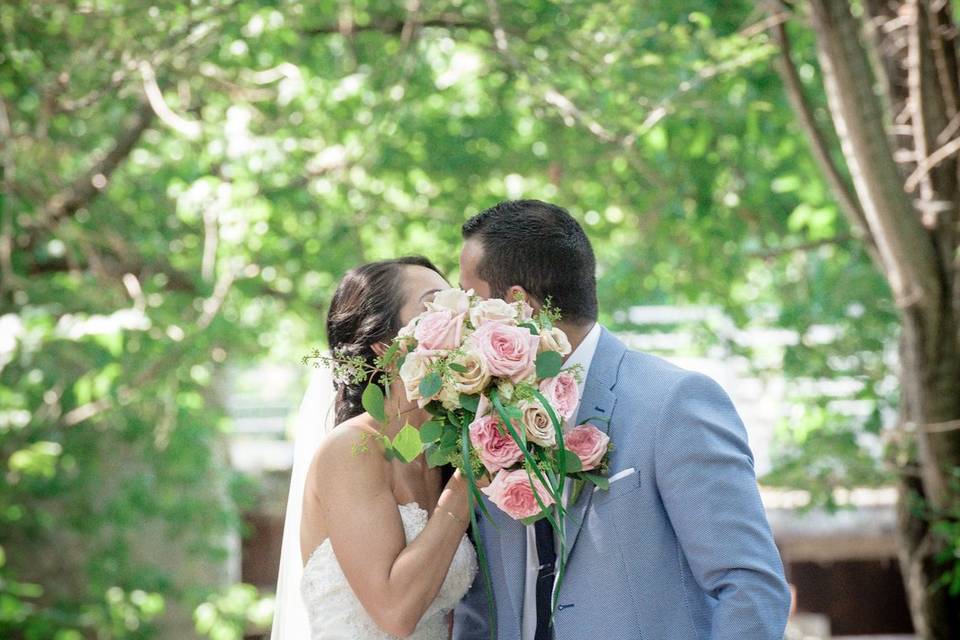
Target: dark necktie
(547, 555)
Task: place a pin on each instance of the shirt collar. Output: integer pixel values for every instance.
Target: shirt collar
(583, 354)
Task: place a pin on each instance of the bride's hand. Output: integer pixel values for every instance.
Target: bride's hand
(456, 494)
(481, 480)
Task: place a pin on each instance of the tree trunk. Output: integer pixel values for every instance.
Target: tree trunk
(915, 240)
(930, 404)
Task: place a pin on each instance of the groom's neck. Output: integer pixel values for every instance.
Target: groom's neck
(575, 332)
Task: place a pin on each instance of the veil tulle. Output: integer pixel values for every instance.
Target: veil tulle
(315, 418)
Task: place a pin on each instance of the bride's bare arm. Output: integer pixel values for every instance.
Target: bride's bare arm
(394, 582)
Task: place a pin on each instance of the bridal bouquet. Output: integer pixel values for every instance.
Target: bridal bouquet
(490, 373)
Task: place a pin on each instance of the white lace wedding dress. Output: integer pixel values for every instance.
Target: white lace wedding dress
(335, 613)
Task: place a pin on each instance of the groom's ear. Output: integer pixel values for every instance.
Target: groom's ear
(516, 292)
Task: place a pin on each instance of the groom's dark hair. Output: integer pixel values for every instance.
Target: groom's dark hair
(540, 247)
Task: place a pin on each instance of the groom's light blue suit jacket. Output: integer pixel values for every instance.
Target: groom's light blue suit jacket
(679, 550)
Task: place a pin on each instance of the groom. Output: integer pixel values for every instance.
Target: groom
(679, 547)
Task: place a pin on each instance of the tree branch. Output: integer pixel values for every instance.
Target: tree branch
(770, 254)
(396, 26)
(6, 210)
(906, 252)
(87, 187)
(849, 204)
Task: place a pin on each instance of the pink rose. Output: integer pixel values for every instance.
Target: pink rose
(563, 393)
(439, 330)
(510, 351)
(496, 450)
(588, 443)
(511, 491)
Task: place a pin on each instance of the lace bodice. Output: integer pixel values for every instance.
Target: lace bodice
(335, 613)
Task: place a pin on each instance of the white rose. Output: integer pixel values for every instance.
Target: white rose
(449, 395)
(555, 340)
(476, 377)
(492, 309)
(413, 370)
(537, 422)
(407, 330)
(455, 300)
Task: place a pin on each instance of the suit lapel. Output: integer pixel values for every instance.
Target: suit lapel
(596, 407)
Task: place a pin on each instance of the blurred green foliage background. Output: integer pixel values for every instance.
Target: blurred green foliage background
(184, 183)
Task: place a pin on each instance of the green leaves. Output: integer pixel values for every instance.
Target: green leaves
(406, 444)
(600, 481)
(571, 461)
(431, 431)
(532, 327)
(470, 403)
(430, 385)
(373, 401)
(549, 364)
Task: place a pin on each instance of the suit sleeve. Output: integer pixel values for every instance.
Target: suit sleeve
(470, 617)
(705, 476)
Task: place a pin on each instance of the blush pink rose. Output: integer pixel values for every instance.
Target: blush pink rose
(510, 351)
(496, 450)
(563, 393)
(439, 330)
(511, 491)
(588, 443)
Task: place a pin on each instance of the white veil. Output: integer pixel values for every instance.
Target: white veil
(315, 418)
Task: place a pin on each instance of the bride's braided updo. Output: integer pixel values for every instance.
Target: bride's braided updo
(365, 310)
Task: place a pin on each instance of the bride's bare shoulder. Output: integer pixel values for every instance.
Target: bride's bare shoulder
(354, 443)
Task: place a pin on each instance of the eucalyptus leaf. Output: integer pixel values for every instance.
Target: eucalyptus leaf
(372, 401)
(600, 481)
(571, 460)
(437, 456)
(407, 443)
(549, 364)
(470, 403)
(449, 437)
(430, 384)
(431, 431)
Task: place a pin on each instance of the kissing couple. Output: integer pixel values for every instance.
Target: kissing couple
(671, 543)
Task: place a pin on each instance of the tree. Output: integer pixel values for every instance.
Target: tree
(899, 144)
(184, 184)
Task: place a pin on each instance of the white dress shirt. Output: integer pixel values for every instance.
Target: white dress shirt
(583, 356)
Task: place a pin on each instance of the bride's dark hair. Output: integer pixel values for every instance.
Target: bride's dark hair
(365, 310)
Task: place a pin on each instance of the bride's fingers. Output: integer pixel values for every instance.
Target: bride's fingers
(483, 480)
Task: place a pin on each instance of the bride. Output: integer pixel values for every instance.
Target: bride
(373, 548)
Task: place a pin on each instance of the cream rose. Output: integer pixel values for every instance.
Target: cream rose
(449, 395)
(492, 309)
(413, 370)
(456, 301)
(476, 377)
(407, 330)
(555, 340)
(505, 387)
(537, 423)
